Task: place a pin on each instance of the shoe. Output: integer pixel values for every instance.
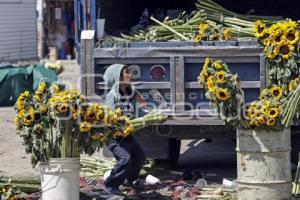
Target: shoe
(111, 190)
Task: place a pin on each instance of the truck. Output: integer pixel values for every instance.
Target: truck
(166, 74)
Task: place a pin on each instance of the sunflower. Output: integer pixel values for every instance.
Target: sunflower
(220, 76)
(291, 24)
(207, 61)
(198, 37)
(271, 122)
(128, 131)
(273, 112)
(74, 114)
(276, 92)
(118, 134)
(43, 109)
(203, 27)
(222, 94)
(259, 29)
(252, 111)
(118, 112)
(210, 84)
(293, 84)
(284, 49)
(85, 127)
(218, 65)
(227, 34)
(253, 122)
(100, 115)
(62, 107)
(29, 117)
(264, 93)
(55, 89)
(42, 86)
(20, 105)
(292, 36)
(38, 95)
(271, 55)
(215, 36)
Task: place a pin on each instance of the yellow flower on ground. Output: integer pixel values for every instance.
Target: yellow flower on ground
(222, 94)
(292, 36)
(220, 76)
(218, 65)
(276, 92)
(271, 122)
(85, 127)
(227, 34)
(284, 49)
(259, 29)
(273, 112)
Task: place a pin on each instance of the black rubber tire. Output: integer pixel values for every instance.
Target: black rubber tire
(174, 151)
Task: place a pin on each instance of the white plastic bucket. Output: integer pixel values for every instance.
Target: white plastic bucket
(60, 179)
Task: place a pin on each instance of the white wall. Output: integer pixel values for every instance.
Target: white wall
(18, 30)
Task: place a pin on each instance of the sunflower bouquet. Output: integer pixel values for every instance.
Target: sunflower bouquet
(266, 112)
(223, 90)
(54, 122)
(281, 48)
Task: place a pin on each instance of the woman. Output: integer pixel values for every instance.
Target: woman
(129, 155)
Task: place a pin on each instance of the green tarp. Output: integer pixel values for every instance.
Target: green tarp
(15, 80)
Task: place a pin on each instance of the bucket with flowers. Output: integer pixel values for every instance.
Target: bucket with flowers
(57, 125)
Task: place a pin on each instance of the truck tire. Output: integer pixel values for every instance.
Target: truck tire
(174, 151)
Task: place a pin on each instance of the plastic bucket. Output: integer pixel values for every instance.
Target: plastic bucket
(60, 179)
(263, 160)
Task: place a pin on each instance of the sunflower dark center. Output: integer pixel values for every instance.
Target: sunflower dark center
(276, 93)
(284, 50)
(222, 94)
(272, 112)
(290, 36)
(260, 29)
(28, 117)
(278, 38)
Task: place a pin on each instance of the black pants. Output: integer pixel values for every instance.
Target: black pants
(130, 159)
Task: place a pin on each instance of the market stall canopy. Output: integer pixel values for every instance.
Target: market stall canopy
(15, 80)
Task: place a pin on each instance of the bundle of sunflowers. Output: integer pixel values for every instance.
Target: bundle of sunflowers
(223, 89)
(278, 104)
(281, 43)
(56, 123)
